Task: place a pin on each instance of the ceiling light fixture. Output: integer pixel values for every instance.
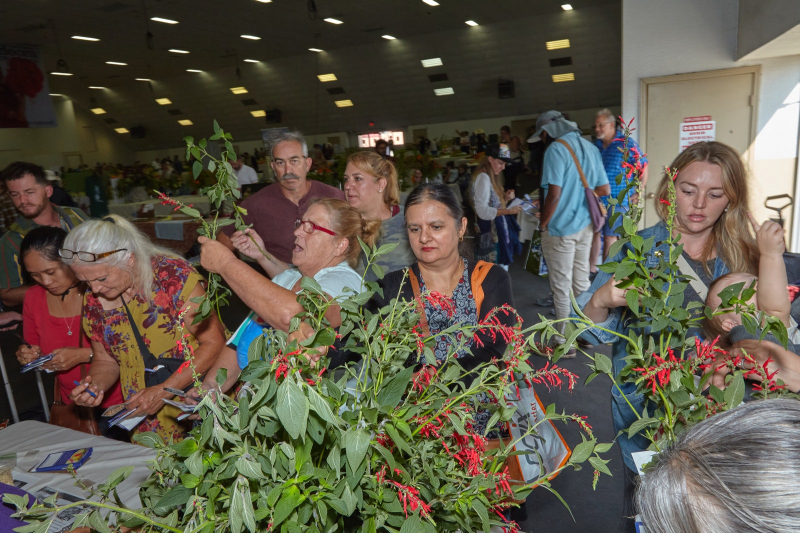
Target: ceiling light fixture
(566, 7)
(326, 77)
(93, 87)
(121, 130)
(431, 2)
(238, 90)
(193, 70)
(432, 62)
(61, 73)
(252, 61)
(444, 91)
(333, 21)
(55, 94)
(251, 37)
(176, 51)
(471, 23)
(343, 103)
(143, 79)
(556, 45)
(259, 113)
(165, 21)
(388, 37)
(264, 1)
(563, 77)
(99, 111)
(163, 101)
(116, 63)
(82, 38)
(316, 50)
(185, 122)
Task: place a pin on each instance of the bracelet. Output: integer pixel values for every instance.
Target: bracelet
(91, 356)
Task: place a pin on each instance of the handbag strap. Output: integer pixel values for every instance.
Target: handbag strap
(476, 280)
(423, 320)
(577, 164)
(149, 360)
(698, 286)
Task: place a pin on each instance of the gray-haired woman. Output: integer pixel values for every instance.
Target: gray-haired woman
(735, 472)
(138, 317)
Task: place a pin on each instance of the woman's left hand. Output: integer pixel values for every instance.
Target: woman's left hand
(305, 331)
(214, 254)
(149, 401)
(9, 316)
(66, 358)
(510, 195)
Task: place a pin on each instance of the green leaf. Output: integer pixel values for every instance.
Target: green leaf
(292, 407)
(641, 424)
(603, 363)
(398, 440)
(311, 285)
(483, 513)
(248, 468)
(459, 427)
(118, 476)
(600, 464)
(356, 448)
(392, 392)
(632, 297)
(177, 495)
(629, 225)
(321, 406)
(734, 392)
(197, 168)
(334, 459)
(185, 448)
(149, 439)
(98, 523)
(349, 500)
(616, 246)
(414, 525)
(582, 451)
(195, 463)
(189, 481)
(290, 499)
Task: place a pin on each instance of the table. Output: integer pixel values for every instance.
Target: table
(161, 234)
(528, 224)
(201, 203)
(33, 441)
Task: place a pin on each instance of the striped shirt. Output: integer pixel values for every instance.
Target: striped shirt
(612, 161)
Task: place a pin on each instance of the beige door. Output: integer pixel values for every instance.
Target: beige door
(728, 96)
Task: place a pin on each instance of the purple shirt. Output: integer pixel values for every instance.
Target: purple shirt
(273, 215)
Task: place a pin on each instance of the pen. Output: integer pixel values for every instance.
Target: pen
(93, 395)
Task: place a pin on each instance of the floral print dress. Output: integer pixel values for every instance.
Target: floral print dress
(158, 323)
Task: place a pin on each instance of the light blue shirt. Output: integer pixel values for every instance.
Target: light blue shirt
(572, 213)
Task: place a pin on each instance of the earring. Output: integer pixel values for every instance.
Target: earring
(380, 190)
(461, 238)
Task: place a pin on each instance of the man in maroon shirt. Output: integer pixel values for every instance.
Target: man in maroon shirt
(274, 209)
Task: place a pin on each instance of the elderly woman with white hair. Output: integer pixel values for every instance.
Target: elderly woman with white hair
(735, 472)
(139, 317)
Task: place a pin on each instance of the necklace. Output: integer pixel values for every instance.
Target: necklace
(71, 320)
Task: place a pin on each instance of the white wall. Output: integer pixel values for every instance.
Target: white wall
(662, 38)
(78, 132)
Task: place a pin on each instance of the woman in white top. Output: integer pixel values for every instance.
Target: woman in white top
(489, 201)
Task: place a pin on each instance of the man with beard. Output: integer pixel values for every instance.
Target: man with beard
(30, 191)
(274, 210)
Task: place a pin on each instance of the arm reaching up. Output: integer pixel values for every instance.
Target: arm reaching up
(773, 292)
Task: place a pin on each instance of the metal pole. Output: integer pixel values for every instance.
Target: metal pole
(42, 395)
(9, 392)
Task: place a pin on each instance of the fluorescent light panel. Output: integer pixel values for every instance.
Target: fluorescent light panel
(82, 38)
(326, 77)
(444, 91)
(165, 21)
(238, 90)
(193, 70)
(94, 87)
(252, 61)
(61, 73)
(163, 101)
(99, 111)
(344, 103)
(566, 7)
(56, 94)
(121, 130)
(431, 2)
(432, 62)
(185, 122)
(251, 37)
(176, 51)
(332, 21)
(557, 45)
(259, 113)
(264, 1)
(563, 77)
(116, 63)
(471, 23)
(388, 37)
(316, 50)
(143, 79)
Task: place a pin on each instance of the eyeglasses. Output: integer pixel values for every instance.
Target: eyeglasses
(87, 257)
(309, 227)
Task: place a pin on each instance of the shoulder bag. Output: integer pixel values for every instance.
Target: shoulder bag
(596, 207)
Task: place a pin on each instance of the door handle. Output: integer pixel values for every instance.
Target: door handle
(651, 196)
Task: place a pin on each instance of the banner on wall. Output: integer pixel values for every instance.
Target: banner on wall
(25, 100)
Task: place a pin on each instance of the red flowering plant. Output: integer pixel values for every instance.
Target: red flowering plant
(666, 361)
(389, 441)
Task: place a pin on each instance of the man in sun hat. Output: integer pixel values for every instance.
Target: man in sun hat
(565, 221)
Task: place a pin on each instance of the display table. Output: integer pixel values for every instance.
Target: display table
(176, 234)
(528, 224)
(33, 441)
(201, 203)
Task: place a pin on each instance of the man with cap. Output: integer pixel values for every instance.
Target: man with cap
(565, 221)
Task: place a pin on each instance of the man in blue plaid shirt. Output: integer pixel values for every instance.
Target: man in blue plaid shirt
(605, 129)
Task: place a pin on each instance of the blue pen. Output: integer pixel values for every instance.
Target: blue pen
(93, 395)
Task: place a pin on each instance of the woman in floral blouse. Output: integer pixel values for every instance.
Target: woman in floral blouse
(139, 317)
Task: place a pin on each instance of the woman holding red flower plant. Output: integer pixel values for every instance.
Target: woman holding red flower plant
(139, 317)
(711, 214)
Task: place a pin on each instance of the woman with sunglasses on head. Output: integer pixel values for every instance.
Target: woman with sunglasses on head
(326, 248)
(138, 315)
(52, 314)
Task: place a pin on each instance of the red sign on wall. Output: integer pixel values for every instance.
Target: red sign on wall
(704, 118)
